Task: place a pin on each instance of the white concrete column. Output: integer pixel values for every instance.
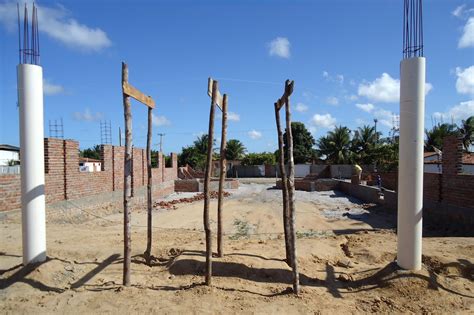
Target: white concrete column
(30, 98)
(410, 172)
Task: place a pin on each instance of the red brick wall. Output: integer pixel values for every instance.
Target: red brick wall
(64, 181)
(10, 191)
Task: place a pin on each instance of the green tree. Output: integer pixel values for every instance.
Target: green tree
(195, 155)
(303, 143)
(259, 158)
(92, 153)
(434, 137)
(467, 132)
(235, 150)
(336, 146)
(364, 144)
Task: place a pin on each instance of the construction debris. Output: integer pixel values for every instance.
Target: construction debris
(171, 204)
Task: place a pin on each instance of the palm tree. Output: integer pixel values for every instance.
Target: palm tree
(336, 145)
(234, 150)
(364, 143)
(434, 137)
(200, 144)
(467, 131)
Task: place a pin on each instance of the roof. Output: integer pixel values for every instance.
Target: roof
(468, 158)
(427, 154)
(84, 159)
(7, 147)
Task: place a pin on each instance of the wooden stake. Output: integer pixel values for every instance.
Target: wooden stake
(149, 188)
(207, 179)
(284, 184)
(127, 174)
(223, 168)
(291, 197)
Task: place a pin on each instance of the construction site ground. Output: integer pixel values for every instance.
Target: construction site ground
(346, 252)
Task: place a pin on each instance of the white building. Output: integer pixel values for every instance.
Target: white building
(89, 165)
(9, 154)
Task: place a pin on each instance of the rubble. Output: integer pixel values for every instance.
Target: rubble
(171, 204)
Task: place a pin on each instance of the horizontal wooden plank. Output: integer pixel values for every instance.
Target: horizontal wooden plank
(219, 98)
(136, 94)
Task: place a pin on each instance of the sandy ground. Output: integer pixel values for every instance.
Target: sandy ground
(345, 252)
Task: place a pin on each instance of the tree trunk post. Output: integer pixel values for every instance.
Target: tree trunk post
(291, 197)
(207, 179)
(222, 176)
(149, 188)
(127, 181)
(284, 184)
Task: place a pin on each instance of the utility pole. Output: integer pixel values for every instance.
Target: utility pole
(376, 135)
(161, 141)
(120, 137)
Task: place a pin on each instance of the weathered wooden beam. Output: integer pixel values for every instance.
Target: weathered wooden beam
(289, 85)
(149, 187)
(131, 91)
(207, 180)
(222, 173)
(284, 185)
(291, 199)
(218, 97)
(127, 174)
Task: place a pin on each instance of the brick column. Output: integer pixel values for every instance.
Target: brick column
(452, 155)
(71, 169)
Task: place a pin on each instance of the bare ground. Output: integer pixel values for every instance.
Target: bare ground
(346, 252)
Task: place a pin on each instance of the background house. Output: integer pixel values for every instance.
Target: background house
(9, 154)
(89, 165)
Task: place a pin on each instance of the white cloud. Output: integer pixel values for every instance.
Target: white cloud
(384, 117)
(360, 121)
(331, 100)
(352, 97)
(458, 112)
(324, 121)
(339, 78)
(467, 38)
(385, 89)
(56, 23)
(366, 107)
(254, 134)
(300, 107)
(51, 89)
(87, 115)
(233, 116)
(158, 120)
(465, 80)
(459, 11)
(280, 47)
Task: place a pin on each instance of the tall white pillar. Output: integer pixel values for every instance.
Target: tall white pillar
(410, 171)
(30, 97)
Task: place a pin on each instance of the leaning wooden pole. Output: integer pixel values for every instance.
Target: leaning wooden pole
(149, 188)
(284, 184)
(291, 198)
(207, 180)
(127, 176)
(223, 168)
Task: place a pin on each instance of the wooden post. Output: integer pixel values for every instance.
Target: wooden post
(132, 191)
(291, 197)
(222, 175)
(207, 179)
(149, 187)
(284, 184)
(127, 174)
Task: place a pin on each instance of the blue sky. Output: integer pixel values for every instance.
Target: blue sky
(343, 55)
